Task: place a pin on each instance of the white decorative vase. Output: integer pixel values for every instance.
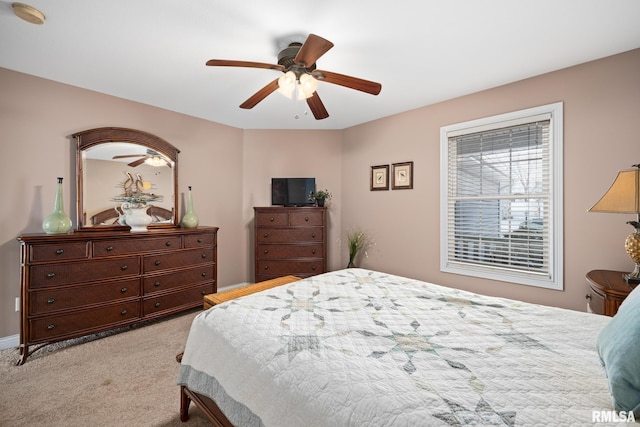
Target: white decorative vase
(136, 217)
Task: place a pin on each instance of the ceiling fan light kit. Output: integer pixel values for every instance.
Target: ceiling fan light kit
(28, 13)
(298, 63)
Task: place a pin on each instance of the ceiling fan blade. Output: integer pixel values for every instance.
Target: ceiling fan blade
(260, 95)
(317, 107)
(312, 49)
(347, 81)
(128, 155)
(137, 162)
(248, 64)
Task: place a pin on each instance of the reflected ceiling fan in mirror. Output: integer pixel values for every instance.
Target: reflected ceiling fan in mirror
(300, 79)
(151, 157)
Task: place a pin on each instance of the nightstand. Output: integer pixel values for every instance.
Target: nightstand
(607, 291)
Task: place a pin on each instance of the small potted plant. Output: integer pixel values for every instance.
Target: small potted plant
(358, 241)
(319, 196)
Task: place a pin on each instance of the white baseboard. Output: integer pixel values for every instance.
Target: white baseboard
(9, 342)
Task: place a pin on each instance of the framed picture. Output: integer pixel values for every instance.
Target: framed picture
(402, 176)
(379, 177)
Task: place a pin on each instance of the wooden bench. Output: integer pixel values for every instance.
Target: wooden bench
(220, 297)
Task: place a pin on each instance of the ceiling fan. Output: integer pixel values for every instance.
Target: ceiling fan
(298, 62)
(151, 157)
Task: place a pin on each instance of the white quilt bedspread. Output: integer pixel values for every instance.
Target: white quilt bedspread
(362, 348)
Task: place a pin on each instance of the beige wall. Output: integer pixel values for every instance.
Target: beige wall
(37, 118)
(601, 116)
(230, 170)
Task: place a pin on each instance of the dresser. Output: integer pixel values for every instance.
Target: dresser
(290, 241)
(86, 282)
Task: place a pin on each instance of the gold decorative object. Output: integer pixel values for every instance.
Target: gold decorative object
(624, 197)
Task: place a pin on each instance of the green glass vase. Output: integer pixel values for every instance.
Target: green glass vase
(58, 222)
(190, 219)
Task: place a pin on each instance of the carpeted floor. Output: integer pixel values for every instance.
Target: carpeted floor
(126, 378)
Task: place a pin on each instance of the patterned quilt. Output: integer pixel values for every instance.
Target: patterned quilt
(362, 348)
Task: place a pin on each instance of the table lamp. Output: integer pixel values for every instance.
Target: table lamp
(624, 197)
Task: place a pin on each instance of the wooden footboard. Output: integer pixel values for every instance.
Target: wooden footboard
(206, 405)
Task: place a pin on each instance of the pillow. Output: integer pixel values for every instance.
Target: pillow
(618, 345)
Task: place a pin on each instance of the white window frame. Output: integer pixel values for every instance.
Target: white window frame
(553, 277)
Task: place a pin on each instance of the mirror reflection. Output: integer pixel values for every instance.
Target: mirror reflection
(120, 172)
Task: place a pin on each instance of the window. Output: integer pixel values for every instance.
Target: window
(501, 197)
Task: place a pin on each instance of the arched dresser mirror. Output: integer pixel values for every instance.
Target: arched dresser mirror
(114, 163)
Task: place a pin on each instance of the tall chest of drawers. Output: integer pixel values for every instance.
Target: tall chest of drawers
(86, 282)
(290, 241)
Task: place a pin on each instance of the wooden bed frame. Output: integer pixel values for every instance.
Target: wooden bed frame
(205, 404)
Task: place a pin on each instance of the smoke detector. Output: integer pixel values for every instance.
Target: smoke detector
(28, 13)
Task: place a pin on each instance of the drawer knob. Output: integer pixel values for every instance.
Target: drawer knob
(123, 290)
(203, 274)
(266, 251)
(272, 219)
(59, 251)
(313, 267)
(167, 244)
(204, 256)
(156, 284)
(313, 251)
(266, 234)
(124, 267)
(157, 304)
(157, 262)
(109, 248)
(199, 239)
(51, 300)
(266, 267)
(203, 292)
(123, 312)
(51, 275)
(51, 327)
(313, 235)
(306, 218)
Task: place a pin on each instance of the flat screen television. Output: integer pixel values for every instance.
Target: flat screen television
(292, 191)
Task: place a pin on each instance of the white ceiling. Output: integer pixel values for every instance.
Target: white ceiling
(421, 51)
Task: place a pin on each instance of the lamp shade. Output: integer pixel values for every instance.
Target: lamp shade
(623, 196)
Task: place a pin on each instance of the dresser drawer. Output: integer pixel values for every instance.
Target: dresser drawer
(270, 219)
(313, 218)
(60, 252)
(199, 240)
(51, 300)
(171, 302)
(104, 248)
(278, 251)
(159, 262)
(42, 276)
(284, 268)
(161, 282)
(289, 235)
(53, 327)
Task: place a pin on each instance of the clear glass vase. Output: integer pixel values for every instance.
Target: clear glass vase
(57, 222)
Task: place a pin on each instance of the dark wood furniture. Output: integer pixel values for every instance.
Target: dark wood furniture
(607, 291)
(86, 282)
(290, 241)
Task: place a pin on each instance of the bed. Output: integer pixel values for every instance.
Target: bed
(357, 347)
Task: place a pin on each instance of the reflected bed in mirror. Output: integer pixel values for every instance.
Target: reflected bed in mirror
(119, 165)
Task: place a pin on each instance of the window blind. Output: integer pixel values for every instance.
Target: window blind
(498, 197)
